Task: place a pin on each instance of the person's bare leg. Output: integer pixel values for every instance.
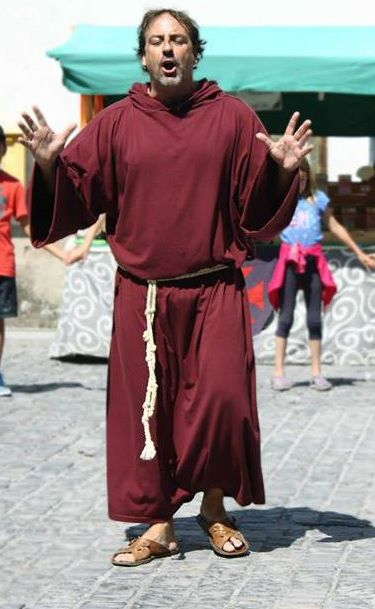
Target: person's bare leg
(280, 350)
(213, 510)
(315, 350)
(162, 532)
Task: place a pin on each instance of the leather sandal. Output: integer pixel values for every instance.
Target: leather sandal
(144, 551)
(221, 531)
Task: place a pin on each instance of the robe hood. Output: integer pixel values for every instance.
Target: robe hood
(207, 92)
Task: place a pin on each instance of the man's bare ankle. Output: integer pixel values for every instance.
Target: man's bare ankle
(163, 531)
(212, 507)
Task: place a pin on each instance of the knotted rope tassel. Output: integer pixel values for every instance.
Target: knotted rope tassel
(148, 407)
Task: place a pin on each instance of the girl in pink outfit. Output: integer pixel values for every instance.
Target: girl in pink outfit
(302, 265)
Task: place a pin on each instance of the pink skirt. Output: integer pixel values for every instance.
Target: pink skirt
(296, 255)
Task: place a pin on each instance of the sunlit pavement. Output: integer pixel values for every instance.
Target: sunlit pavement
(312, 544)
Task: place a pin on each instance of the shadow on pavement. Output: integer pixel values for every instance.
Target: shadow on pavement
(281, 527)
(77, 358)
(346, 382)
(270, 529)
(336, 382)
(42, 387)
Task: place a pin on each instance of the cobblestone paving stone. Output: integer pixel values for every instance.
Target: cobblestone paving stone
(313, 543)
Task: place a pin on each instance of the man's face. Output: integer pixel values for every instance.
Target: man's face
(168, 55)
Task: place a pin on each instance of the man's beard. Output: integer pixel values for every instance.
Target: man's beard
(170, 81)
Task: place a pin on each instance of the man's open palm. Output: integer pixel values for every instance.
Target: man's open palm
(38, 137)
(290, 149)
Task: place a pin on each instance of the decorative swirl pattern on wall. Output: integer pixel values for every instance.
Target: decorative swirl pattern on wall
(85, 322)
(348, 323)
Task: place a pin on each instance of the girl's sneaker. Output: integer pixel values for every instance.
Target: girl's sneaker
(320, 383)
(5, 391)
(280, 383)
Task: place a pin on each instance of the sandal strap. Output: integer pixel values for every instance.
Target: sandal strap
(221, 531)
(207, 524)
(220, 534)
(143, 548)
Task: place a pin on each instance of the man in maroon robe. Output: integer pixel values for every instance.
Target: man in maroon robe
(187, 177)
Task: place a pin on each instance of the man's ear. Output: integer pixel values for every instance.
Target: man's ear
(143, 62)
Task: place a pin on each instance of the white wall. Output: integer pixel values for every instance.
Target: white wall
(30, 28)
(347, 155)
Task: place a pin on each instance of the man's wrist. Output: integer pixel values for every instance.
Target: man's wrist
(47, 166)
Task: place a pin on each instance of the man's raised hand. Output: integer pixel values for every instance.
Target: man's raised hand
(38, 137)
(290, 149)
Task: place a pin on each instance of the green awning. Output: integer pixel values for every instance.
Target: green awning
(329, 71)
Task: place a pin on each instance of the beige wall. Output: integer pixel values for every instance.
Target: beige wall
(14, 161)
(40, 279)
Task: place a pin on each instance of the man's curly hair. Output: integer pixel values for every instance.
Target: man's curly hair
(183, 18)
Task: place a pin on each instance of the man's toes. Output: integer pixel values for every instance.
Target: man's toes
(232, 544)
(228, 547)
(128, 557)
(172, 546)
(236, 542)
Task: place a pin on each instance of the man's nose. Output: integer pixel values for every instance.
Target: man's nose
(167, 47)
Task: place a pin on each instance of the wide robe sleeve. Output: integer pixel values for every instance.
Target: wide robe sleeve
(85, 186)
(263, 209)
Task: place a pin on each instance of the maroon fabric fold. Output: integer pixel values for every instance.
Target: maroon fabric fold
(184, 188)
(206, 426)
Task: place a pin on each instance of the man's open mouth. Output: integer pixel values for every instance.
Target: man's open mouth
(169, 67)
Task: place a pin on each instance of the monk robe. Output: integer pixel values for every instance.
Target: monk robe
(186, 189)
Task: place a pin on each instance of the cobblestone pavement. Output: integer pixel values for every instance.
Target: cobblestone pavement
(313, 543)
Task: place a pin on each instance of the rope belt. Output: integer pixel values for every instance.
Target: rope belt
(148, 407)
(149, 450)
